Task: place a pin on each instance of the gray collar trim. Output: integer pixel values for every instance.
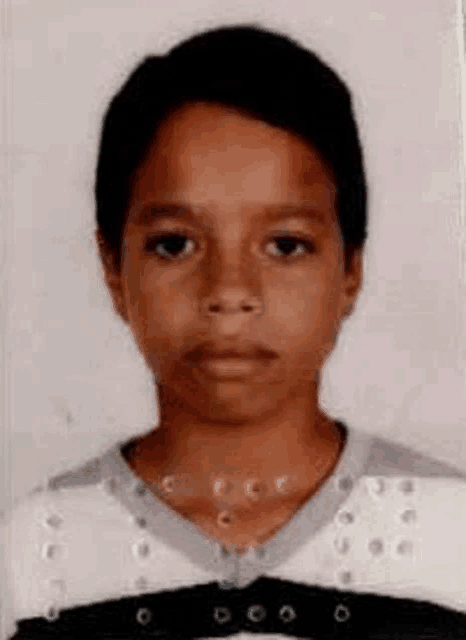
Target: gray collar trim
(154, 515)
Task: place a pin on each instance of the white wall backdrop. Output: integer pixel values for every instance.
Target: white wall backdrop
(73, 382)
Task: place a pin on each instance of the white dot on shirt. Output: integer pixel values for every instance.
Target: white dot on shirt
(377, 486)
(287, 613)
(256, 613)
(143, 615)
(222, 615)
(341, 613)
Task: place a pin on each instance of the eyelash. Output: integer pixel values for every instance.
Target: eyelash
(154, 241)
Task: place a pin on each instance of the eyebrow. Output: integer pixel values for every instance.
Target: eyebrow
(307, 211)
(153, 210)
(272, 213)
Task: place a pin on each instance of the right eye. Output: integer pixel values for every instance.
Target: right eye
(170, 246)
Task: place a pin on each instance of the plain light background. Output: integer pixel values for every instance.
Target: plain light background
(73, 383)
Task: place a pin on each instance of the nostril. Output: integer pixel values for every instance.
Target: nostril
(243, 306)
(214, 308)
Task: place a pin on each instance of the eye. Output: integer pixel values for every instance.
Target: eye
(170, 246)
(290, 245)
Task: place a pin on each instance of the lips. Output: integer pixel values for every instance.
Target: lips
(230, 364)
(251, 352)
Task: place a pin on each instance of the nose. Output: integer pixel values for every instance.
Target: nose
(230, 302)
(232, 280)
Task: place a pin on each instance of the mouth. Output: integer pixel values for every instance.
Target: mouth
(230, 364)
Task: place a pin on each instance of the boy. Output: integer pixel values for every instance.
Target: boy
(231, 211)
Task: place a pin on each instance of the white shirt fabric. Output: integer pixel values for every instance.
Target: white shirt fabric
(389, 521)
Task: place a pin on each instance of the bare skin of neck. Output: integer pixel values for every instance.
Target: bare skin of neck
(303, 445)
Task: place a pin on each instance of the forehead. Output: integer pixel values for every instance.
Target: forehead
(214, 157)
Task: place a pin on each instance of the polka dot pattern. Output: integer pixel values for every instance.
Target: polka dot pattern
(52, 613)
(409, 516)
(52, 552)
(256, 613)
(376, 546)
(142, 549)
(57, 587)
(142, 583)
(287, 613)
(345, 483)
(260, 553)
(143, 616)
(355, 558)
(377, 486)
(342, 545)
(54, 521)
(223, 552)
(377, 542)
(281, 483)
(346, 517)
(405, 548)
(225, 519)
(407, 486)
(346, 577)
(141, 522)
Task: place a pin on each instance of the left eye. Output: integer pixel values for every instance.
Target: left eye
(289, 245)
(168, 245)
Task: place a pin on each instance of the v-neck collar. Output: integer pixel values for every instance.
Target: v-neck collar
(160, 521)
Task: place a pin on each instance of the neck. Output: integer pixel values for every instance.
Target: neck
(299, 439)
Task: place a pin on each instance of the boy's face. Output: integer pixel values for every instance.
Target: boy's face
(232, 241)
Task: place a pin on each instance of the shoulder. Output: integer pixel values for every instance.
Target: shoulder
(389, 458)
(409, 477)
(59, 535)
(84, 539)
(398, 528)
(412, 520)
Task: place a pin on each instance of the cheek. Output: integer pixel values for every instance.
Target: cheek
(179, 311)
(159, 309)
(310, 310)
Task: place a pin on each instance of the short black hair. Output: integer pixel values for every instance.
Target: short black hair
(261, 73)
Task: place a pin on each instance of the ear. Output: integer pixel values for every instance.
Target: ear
(353, 282)
(112, 275)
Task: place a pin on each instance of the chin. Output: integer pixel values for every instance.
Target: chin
(227, 415)
(231, 402)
